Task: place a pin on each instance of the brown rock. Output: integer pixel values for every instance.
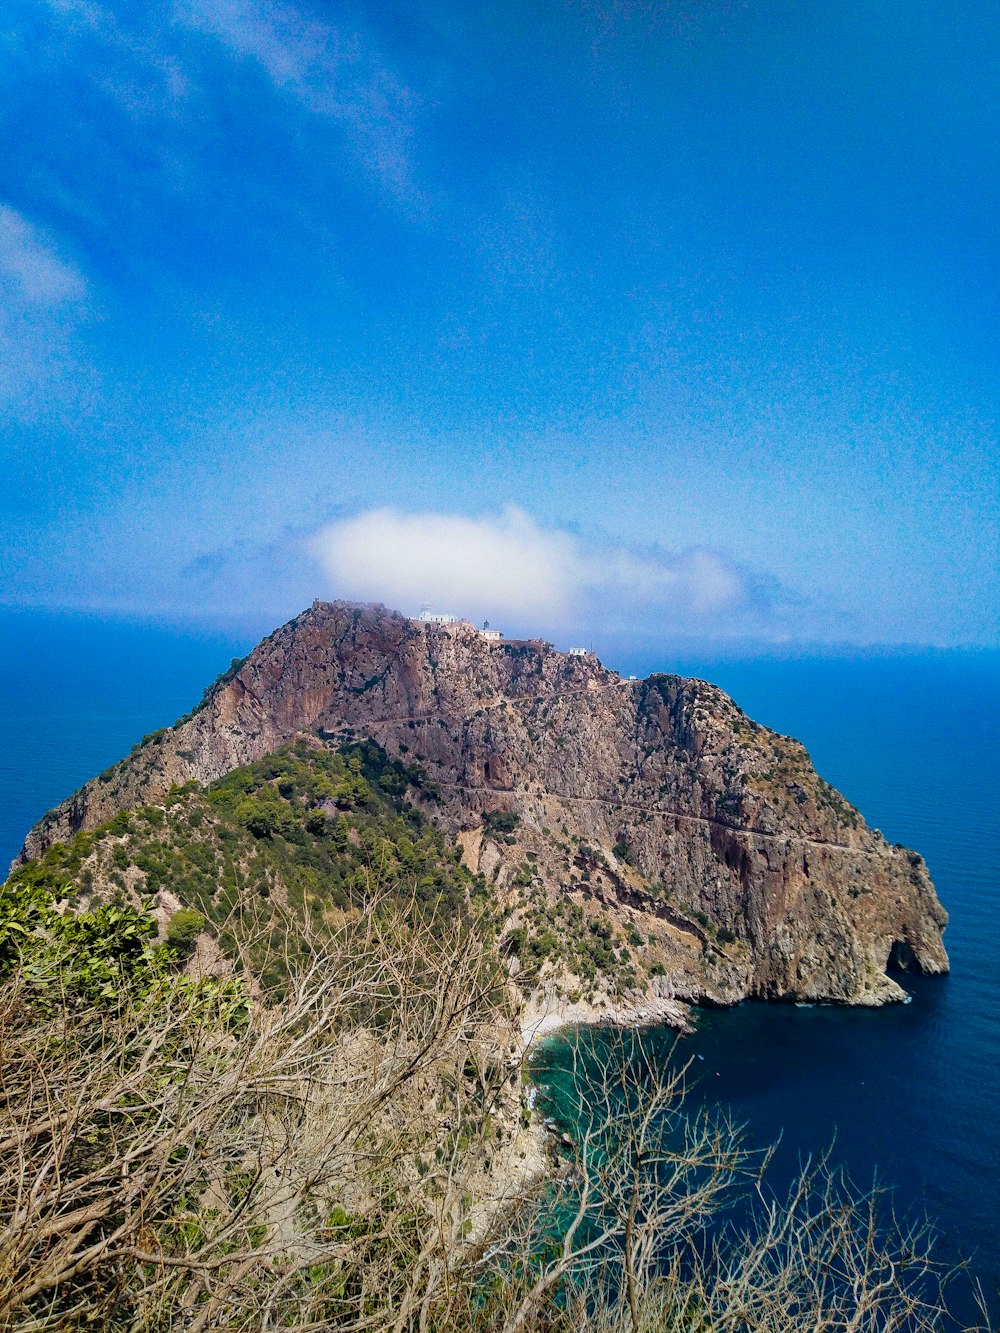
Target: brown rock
(664, 781)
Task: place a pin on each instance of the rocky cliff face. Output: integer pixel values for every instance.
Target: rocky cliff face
(656, 803)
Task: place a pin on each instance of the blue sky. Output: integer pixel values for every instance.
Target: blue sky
(592, 315)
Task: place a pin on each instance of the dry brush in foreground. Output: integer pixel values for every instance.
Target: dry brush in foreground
(186, 1156)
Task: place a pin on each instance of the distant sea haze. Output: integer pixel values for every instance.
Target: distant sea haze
(911, 1093)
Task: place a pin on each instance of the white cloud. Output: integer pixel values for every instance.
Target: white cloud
(699, 581)
(332, 73)
(41, 299)
(504, 563)
(508, 566)
(31, 272)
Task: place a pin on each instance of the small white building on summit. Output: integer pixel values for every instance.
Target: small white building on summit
(429, 617)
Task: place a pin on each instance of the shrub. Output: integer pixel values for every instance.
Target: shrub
(503, 822)
(621, 852)
(190, 1181)
(183, 930)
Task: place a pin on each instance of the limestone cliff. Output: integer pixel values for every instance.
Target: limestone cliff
(657, 803)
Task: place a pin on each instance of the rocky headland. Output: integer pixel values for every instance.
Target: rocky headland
(647, 841)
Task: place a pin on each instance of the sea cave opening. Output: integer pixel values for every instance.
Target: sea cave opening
(901, 958)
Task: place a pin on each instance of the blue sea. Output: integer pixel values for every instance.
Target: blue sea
(909, 1095)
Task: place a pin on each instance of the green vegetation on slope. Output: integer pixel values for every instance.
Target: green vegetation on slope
(279, 1142)
(325, 1134)
(308, 833)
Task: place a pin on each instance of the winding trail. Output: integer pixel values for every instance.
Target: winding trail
(820, 844)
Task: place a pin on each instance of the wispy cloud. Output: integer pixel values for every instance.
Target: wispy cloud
(42, 298)
(508, 565)
(251, 577)
(332, 72)
(124, 60)
(32, 273)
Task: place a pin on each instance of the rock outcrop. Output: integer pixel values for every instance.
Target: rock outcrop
(658, 801)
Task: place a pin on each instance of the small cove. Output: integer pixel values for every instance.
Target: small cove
(910, 1094)
(907, 1095)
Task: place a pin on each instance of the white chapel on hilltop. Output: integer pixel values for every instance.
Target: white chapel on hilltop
(429, 617)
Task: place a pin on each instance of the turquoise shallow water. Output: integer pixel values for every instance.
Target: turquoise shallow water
(912, 1093)
(909, 1095)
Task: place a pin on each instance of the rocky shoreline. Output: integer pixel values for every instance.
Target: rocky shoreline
(542, 1018)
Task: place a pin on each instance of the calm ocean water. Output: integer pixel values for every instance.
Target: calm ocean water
(78, 691)
(911, 1093)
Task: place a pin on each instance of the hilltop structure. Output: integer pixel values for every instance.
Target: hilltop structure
(429, 617)
(696, 853)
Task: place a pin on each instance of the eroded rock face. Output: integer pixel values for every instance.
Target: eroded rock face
(689, 819)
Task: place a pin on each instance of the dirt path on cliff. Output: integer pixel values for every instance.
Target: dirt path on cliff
(797, 839)
(590, 689)
(819, 843)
